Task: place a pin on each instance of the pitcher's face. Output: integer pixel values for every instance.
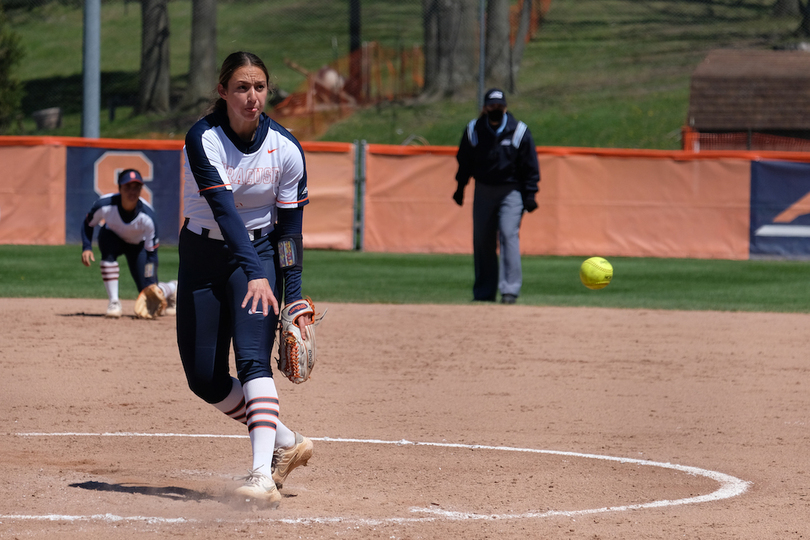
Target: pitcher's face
(246, 94)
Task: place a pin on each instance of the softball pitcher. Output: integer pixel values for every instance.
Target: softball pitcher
(244, 193)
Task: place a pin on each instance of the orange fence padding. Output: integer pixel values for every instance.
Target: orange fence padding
(407, 202)
(609, 202)
(636, 205)
(640, 208)
(329, 216)
(32, 195)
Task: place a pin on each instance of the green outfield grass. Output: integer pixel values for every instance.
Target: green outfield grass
(341, 276)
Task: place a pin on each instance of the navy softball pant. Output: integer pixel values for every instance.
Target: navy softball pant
(211, 287)
(112, 246)
(497, 212)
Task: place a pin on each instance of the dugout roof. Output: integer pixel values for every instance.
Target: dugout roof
(751, 90)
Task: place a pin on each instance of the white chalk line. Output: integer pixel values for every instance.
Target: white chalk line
(730, 486)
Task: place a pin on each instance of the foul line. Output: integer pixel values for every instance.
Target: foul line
(730, 486)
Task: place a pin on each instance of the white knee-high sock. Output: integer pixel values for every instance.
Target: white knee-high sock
(285, 438)
(261, 403)
(168, 288)
(234, 404)
(109, 273)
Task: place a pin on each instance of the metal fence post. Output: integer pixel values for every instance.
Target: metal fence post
(359, 193)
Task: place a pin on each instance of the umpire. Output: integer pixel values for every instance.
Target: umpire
(499, 152)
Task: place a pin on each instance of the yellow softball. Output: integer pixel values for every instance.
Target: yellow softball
(596, 273)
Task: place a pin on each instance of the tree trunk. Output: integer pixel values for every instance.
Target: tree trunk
(520, 43)
(153, 94)
(202, 73)
(450, 46)
(498, 61)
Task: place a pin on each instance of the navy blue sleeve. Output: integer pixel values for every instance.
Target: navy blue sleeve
(87, 230)
(464, 156)
(233, 230)
(87, 235)
(290, 225)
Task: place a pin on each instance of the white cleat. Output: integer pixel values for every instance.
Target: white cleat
(260, 487)
(114, 310)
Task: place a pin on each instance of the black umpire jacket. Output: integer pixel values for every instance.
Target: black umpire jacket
(506, 158)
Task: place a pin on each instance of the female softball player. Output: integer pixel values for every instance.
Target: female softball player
(129, 228)
(244, 193)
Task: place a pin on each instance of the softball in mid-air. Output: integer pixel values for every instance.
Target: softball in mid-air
(596, 273)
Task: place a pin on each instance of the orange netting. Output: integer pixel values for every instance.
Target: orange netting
(695, 141)
(369, 75)
(539, 9)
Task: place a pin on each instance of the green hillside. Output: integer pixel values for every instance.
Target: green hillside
(599, 73)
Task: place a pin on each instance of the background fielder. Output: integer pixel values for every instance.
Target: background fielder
(129, 228)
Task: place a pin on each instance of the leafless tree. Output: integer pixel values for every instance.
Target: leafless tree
(503, 60)
(451, 29)
(153, 93)
(498, 70)
(202, 74)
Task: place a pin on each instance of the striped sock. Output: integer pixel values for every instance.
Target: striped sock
(109, 273)
(234, 404)
(261, 403)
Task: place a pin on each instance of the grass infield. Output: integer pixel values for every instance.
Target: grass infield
(341, 276)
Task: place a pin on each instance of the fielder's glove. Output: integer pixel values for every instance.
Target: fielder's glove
(151, 303)
(296, 353)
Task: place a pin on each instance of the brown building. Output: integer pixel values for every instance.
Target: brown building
(750, 100)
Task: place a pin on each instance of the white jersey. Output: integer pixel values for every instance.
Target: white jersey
(141, 228)
(265, 174)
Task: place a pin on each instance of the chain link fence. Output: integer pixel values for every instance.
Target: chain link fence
(328, 57)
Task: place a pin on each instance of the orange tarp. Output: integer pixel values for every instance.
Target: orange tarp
(639, 205)
(329, 216)
(32, 195)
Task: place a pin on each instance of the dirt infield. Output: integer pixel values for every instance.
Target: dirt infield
(480, 421)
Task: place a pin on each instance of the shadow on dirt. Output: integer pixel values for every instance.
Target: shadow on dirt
(168, 492)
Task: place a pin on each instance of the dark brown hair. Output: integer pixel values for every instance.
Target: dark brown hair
(235, 61)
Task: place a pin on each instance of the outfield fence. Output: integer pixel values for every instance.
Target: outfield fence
(385, 198)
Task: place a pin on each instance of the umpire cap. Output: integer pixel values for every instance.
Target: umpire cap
(495, 96)
(129, 175)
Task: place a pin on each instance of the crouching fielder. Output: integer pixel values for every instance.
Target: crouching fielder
(128, 226)
(244, 193)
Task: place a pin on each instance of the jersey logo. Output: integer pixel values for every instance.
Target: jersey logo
(271, 151)
(239, 176)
